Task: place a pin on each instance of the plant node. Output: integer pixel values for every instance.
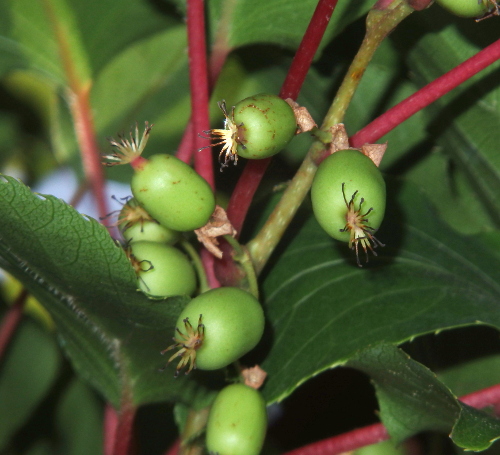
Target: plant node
(227, 137)
(128, 150)
(188, 344)
(357, 225)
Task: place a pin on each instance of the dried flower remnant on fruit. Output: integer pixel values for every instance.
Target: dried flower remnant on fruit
(357, 225)
(494, 10)
(254, 377)
(131, 214)
(127, 150)
(187, 344)
(227, 137)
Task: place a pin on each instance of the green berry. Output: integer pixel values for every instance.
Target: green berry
(469, 8)
(173, 193)
(237, 422)
(348, 197)
(150, 231)
(216, 328)
(162, 270)
(257, 127)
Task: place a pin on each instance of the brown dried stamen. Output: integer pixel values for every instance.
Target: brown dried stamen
(357, 225)
(188, 344)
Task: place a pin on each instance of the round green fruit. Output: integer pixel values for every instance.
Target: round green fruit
(468, 8)
(348, 198)
(237, 422)
(162, 270)
(266, 124)
(173, 193)
(216, 328)
(150, 231)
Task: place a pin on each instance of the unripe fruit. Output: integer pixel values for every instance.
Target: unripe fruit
(162, 270)
(237, 422)
(150, 231)
(469, 8)
(348, 197)
(257, 127)
(230, 322)
(173, 193)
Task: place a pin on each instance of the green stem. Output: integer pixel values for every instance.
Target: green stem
(197, 264)
(379, 24)
(242, 256)
(195, 424)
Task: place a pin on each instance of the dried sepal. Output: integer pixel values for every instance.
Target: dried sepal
(218, 225)
(227, 137)
(361, 233)
(127, 150)
(254, 377)
(304, 119)
(187, 343)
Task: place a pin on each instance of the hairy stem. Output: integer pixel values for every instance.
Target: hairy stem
(379, 24)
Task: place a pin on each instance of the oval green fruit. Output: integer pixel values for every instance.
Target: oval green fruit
(150, 231)
(216, 328)
(348, 198)
(163, 270)
(237, 422)
(468, 8)
(173, 193)
(266, 124)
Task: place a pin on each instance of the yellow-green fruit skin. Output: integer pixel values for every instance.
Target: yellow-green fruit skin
(234, 324)
(150, 231)
(173, 193)
(237, 422)
(466, 8)
(266, 124)
(359, 173)
(167, 271)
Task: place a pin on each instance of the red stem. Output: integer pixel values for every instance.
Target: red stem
(426, 95)
(11, 321)
(123, 441)
(372, 434)
(110, 429)
(198, 77)
(254, 170)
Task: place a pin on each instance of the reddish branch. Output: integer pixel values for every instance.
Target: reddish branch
(427, 95)
(372, 434)
(11, 321)
(198, 78)
(254, 170)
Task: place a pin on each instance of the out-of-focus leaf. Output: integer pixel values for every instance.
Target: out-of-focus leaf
(112, 333)
(280, 22)
(29, 370)
(413, 400)
(79, 421)
(322, 308)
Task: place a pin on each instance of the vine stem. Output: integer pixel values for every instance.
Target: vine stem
(78, 94)
(379, 24)
(372, 434)
(426, 95)
(254, 170)
(198, 79)
(11, 320)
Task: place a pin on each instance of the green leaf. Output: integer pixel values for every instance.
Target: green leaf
(80, 420)
(464, 122)
(322, 308)
(279, 22)
(413, 400)
(112, 333)
(29, 370)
